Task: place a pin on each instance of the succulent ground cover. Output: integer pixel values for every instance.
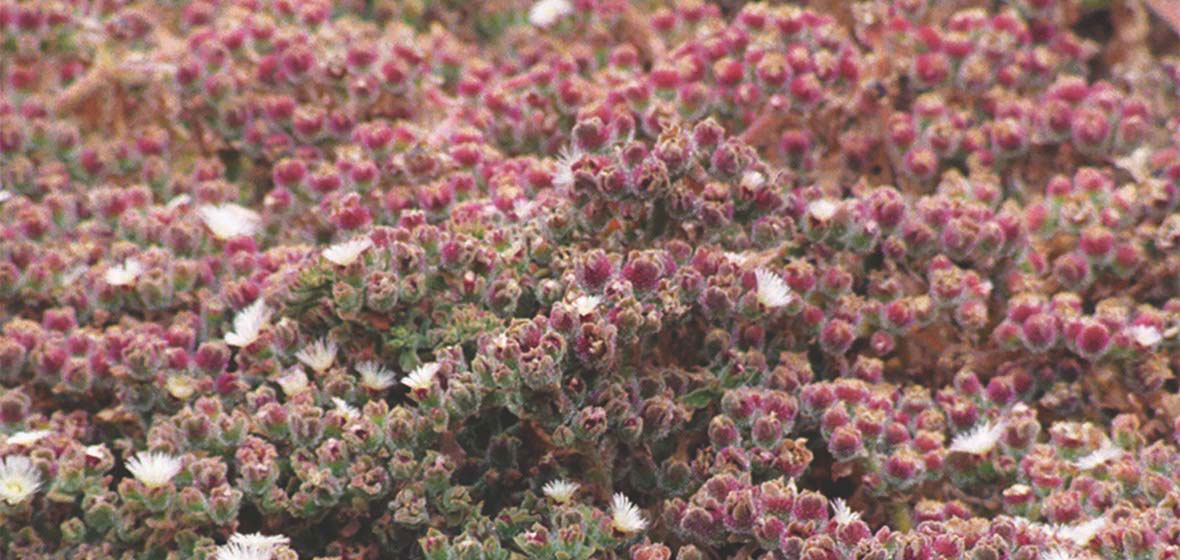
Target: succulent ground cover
(578, 279)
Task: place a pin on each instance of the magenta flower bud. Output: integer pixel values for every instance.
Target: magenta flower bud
(897, 316)
(1097, 243)
(1072, 270)
(837, 337)
(1000, 390)
(1039, 332)
(810, 506)
(289, 173)
(920, 163)
(1009, 136)
(642, 271)
(896, 433)
(590, 135)
(903, 468)
(1090, 129)
(806, 89)
(967, 383)
(1092, 340)
(834, 417)
(845, 443)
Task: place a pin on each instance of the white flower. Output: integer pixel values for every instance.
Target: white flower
(585, 305)
(560, 490)
(19, 479)
(346, 253)
(237, 551)
(753, 180)
(1099, 456)
(772, 291)
(736, 258)
(123, 274)
(822, 209)
(228, 221)
(293, 382)
(319, 355)
(1057, 554)
(566, 158)
(979, 440)
(1146, 336)
(1080, 534)
(625, 517)
(248, 324)
(343, 406)
(843, 514)
(154, 468)
(28, 437)
(375, 377)
(421, 378)
(5, 196)
(546, 12)
(259, 540)
(178, 201)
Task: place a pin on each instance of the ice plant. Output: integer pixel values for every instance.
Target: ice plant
(625, 517)
(375, 377)
(248, 324)
(545, 13)
(772, 290)
(421, 379)
(19, 479)
(123, 274)
(154, 468)
(346, 253)
(876, 279)
(979, 440)
(560, 490)
(227, 221)
(318, 355)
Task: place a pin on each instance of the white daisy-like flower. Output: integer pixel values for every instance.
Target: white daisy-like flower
(753, 180)
(738, 259)
(180, 386)
(422, 377)
(154, 468)
(248, 324)
(1058, 553)
(293, 382)
(979, 440)
(563, 178)
(585, 305)
(343, 406)
(346, 253)
(772, 290)
(1099, 457)
(5, 196)
(375, 377)
(842, 514)
(319, 355)
(227, 221)
(545, 13)
(1081, 533)
(237, 551)
(259, 540)
(625, 517)
(822, 209)
(1146, 336)
(123, 274)
(178, 201)
(28, 437)
(19, 479)
(560, 490)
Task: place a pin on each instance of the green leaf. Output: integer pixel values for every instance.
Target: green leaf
(701, 397)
